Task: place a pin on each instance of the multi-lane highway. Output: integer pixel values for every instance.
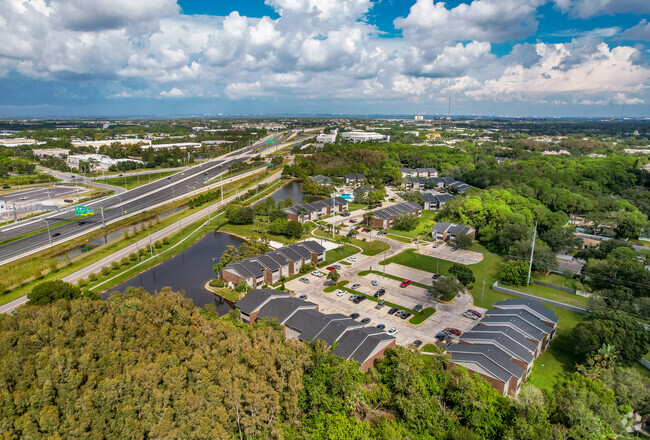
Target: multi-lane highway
(116, 206)
(36, 195)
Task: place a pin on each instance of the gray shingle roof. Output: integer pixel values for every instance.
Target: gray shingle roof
(335, 329)
(268, 262)
(512, 333)
(488, 356)
(316, 205)
(283, 308)
(308, 322)
(441, 227)
(256, 298)
(521, 325)
(352, 339)
(523, 314)
(539, 309)
(503, 341)
(369, 346)
(393, 211)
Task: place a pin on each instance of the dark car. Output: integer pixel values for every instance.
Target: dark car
(349, 234)
(303, 296)
(405, 315)
(417, 308)
(354, 316)
(56, 234)
(6, 187)
(81, 223)
(475, 313)
(417, 343)
(436, 276)
(442, 335)
(381, 327)
(365, 320)
(380, 292)
(392, 311)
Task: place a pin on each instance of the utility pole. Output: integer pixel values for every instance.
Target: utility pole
(482, 291)
(150, 246)
(103, 222)
(222, 188)
(532, 252)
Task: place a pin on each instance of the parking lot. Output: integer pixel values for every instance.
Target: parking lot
(458, 256)
(447, 315)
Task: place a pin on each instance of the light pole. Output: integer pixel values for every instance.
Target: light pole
(48, 231)
(482, 290)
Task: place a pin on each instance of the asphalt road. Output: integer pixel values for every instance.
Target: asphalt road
(114, 207)
(36, 195)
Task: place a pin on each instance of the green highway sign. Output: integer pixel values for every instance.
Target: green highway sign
(80, 210)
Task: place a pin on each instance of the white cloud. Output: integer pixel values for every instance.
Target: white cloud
(590, 8)
(240, 90)
(173, 93)
(640, 32)
(495, 21)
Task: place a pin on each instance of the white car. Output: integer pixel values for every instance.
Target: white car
(340, 292)
(392, 331)
(317, 274)
(355, 286)
(352, 258)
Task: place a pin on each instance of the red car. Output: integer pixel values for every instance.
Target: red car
(331, 268)
(366, 230)
(454, 331)
(405, 283)
(357, 227)
(474, 312)
(354, 220)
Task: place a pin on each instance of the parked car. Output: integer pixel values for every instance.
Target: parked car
(336, 266)
(436, 276)
(359, 298)
(318, 274)
(392, 311)
(352, 258)
(435, 245)
(380, 292)
(470, 316)
(355, 286)
(353, 220)
(340, 292)
(365, 230)
(349, 234)
(352, 297)
(354, 316)
(417, 343)
(405, 315)
(417, 308)
(405, 283)
(331, 268)
(356, 228)
(381, 327)
(374, 283)
(380, 305)
(475, 312)
(453, 249)
(365, 321)
(441, 336)
(454, 331)
(303, 296)
(304, 280)
(392, 331)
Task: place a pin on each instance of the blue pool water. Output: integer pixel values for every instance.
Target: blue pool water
(346, 196)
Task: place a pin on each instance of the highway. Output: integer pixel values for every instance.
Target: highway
(36, 195)
(141, 244)
(116, 206)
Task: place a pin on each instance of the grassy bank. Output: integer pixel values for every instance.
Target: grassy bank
(130, 182)
(368, 248)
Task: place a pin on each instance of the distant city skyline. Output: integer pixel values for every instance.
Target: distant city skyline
(157, 58)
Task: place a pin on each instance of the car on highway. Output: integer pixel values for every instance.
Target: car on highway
(365, 321)
(340, 292)
(374, 283)
(303, 296)
(354, 316)
(73, 177)
(355, 286)
(405, 283)
(24, 198)
(6, 187)
(380, 292)
(352, 258)
(56, 234)
(381, 327)
(454, 331)
(81, 223)
(392, 311)
(304, 280)
(475, 312)
(392, 331)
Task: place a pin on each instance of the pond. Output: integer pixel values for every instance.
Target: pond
(188, 271)
(293, 190)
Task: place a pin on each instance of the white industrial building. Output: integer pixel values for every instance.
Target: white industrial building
(327, 138)
(17, 142)
(364, 136)
(98, 162)
(107, 142)
(181, 145)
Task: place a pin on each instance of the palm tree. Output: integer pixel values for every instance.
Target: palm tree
(369, 217)
(216, 268)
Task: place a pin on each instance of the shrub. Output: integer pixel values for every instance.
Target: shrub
(158, 244)
(133, 256)
(124, 261)
(115, 265)
(165, 241)
(93, 277)
(217, 282)
(106, 270)
(82, 282)
(37, 273)
(53, 266)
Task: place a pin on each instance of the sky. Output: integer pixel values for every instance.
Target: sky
(157, 58)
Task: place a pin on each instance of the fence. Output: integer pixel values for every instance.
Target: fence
(550, 302)
(556, 287)
(645, 363)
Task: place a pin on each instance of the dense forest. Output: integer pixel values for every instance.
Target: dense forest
(138, 366)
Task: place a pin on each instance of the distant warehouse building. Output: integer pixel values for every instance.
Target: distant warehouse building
(505, 343)
(302, 320)
(385, 217)
(96, 162)
(364, 136)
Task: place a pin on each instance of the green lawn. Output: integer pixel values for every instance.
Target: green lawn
(369, 248)
(130, 182)
(556, 295)
(399, 238)
(250, 230)
(560, 356)
(423, 228)
(354, 206)
(430, 348)
(27, 179)
(338, 254)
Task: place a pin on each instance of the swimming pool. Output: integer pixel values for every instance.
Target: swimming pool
(346, 196)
